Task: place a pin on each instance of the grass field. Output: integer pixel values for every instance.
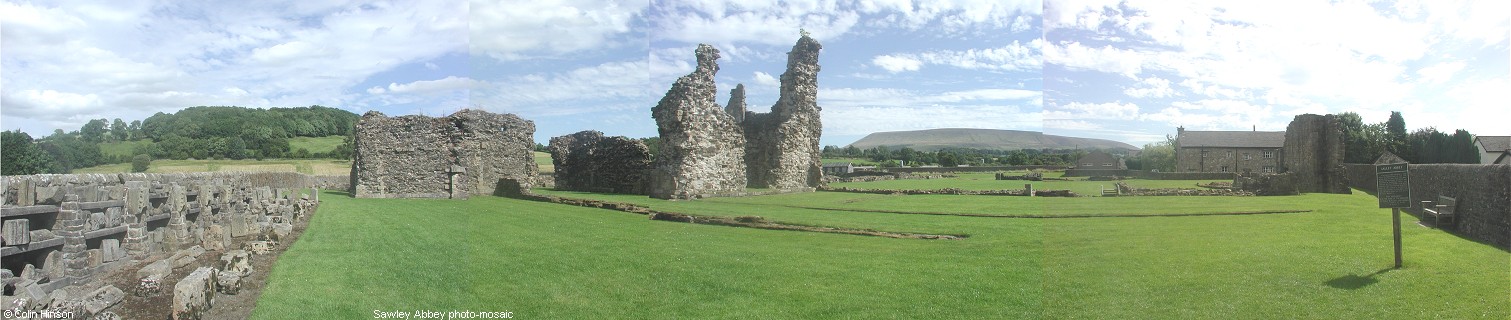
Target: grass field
(120, 148)
(315, 144)
(305, 166)
(855, 161)
(542, 260)
(987, 181)
(543, 160)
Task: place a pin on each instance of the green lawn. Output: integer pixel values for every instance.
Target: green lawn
(855, 161)
(543, 260)
(315, 144)
(987, 181)
(543, 160)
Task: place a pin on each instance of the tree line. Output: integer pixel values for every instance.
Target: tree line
(204, 132)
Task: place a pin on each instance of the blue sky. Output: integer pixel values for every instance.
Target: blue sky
(1124, 70)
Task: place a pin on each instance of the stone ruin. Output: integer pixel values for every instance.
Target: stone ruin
(1313, 154)
(588, 161)
(702, 147)
(466, 153)
(707, 151)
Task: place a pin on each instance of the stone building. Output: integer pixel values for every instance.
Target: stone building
(455, 156)
(781, 147)
(1493, 149)
(588, 161)
(1099, 160)
(1228, 151)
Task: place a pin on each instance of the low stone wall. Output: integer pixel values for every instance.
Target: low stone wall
(973, 169)
(1361, 176)
(1182, 175)
(1094, 172)
(66, 230)
(954, 191)
(1483, 193)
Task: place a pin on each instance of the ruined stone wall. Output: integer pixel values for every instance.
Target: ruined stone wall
(450, 157)
(493, 146)
(588, 161)
(736, 106)
(782, 148)
(1313, 153)
(702, 147)
(67, 230)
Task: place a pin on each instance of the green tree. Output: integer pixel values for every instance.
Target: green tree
(949, 159)
(236, 148)
(134, 130)
(301, 153)
(1158, 155)
(20, 154)
(94, 131)
(118, 130)
(1395, 134)
(139, 163)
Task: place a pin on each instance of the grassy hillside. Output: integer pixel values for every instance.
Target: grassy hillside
(121, 148)
(935, 139)
(315, 144)
(540, 260)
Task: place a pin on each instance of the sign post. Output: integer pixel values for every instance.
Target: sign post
(1393, 189)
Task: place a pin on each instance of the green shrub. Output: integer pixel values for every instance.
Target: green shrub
(140, 162)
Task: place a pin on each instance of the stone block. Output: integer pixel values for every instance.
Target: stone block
(96, 257)
(103, 298)
(30, 272)
(17, 232)
(52, 195)
(111, 248)
(53, 265)
(238, 262)
(228, 282)
(214, 238)
(194, 295)
(281, 231)
(160, 268)
(42, 235)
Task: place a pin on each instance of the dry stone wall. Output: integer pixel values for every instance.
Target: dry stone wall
(1313, 154)
(588, 161)
(702, 147)
(456, 156)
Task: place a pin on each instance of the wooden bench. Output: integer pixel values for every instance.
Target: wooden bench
(1109, 192)
(1440, 210)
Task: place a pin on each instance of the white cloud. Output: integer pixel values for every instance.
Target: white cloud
(1151, 87)
(1075, 56)
(1099, 111)
(1438, 73)
(606, 87)
(513, 30)
(1015, 56)
(765, 79)
(895, 64)
(427, 86)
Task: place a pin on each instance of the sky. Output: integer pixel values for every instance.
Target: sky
(1129, 70)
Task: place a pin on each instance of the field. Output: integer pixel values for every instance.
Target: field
(305, 166)
(543, 160)
(315, 144)
(540, 260)
(120, 148)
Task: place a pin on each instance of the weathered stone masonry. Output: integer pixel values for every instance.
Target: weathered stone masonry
(1313, 153)
(782, 147)
(702, 147)
(456, 156)
(82, 226)
(588, 161)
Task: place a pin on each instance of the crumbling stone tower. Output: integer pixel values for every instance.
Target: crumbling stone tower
(702, 147)
(782, 147)
(1313, 153)
(466, 153)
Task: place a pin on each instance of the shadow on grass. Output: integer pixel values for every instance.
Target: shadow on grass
(1351, 282)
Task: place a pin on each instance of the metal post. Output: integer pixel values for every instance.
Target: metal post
(1395, 224)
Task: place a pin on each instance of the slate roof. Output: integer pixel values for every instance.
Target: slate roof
(1494, 143)
(1096, 158)
(1232, 139)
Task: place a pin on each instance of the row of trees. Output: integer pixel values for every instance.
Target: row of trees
(197, 132)
(1365, 142)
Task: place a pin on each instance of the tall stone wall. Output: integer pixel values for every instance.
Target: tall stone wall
(450, 157)
(702, 147)
(736, 106)
(782, 148)
(1313, 154)
(588, 161)
(1483, 193)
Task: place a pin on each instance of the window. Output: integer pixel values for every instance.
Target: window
(1230, 153)
(1106, 164)
(1087, 165)
(1269, 154)
(1247, 156)
(1224, 168)
(1269, 169)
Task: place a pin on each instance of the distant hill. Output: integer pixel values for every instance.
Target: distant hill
(991, 139)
